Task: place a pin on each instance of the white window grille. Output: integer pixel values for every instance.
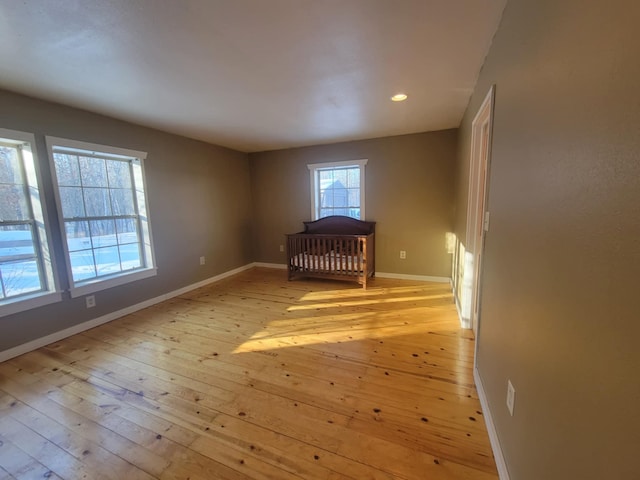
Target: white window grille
(26, 269)
(103, 209)
(337, 189)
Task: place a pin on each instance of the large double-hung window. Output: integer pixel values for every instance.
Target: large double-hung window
(337, 189)
(103, 210)
(26, 270)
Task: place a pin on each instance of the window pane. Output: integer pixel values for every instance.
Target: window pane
(99, 243)
(72, 202)
(82, 266)
(127, 229)
(130, 256)
(354, 197)
(25, 261)
(353, 178)
(93, 172)
(97, 202)
(122, 202)
(103, 233)
(326, 198)
(67, 169)
(13, 203)
(340, 178)
(78, 235)
(340, 197)
(19, 278)
(326, 176)
(10, 171)
(107, 260)
(15, 241)
(337, 189)
(119, 174)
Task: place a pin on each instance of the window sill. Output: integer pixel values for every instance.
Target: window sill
(92, 286)
(22, 304)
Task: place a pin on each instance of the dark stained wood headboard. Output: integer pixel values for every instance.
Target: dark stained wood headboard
(339, 225)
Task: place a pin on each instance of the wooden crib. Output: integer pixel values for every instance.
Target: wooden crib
(336, 247)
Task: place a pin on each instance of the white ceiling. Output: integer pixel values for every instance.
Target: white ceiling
(253, 74)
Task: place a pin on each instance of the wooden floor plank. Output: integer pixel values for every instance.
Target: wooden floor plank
(79, 436)
(255, 377)
(15, 463)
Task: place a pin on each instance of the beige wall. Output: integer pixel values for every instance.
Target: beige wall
(559, 315)
(409, 193)
(199, 202)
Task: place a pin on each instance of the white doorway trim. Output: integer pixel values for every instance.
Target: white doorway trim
(477, 213)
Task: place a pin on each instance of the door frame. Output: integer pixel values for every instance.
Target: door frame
(477, 212)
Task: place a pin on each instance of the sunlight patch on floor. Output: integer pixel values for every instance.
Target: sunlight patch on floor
(353, 303)
(347, 322)
(371, 291)
(273, 340)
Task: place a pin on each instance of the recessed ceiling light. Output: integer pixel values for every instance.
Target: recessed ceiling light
(398, 97)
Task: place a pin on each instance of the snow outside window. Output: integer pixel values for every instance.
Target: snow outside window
(104, 216)
(26, 270)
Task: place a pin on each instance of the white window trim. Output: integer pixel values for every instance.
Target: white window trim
(34, 180)
(28, 302)
(314, 168)
(95, 285)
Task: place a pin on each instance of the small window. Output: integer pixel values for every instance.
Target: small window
(104, 215)
(337, 189)
(26, 271)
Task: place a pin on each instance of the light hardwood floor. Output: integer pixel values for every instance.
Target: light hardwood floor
(255, 377)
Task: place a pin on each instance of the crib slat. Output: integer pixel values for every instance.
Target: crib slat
(332, 258)
(349, 257)
(305, 255)
(324, 254)
(345, 256)
(354, 255)
(365, 264)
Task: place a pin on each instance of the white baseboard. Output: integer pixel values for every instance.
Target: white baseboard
(81, 327)
(503, 473)
(206, 282)
(279, 266)
(420, 278)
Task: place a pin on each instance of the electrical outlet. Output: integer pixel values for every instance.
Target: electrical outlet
(403, 254)
(202, 260)
(282, 248)
(91, 301)
(511, 397)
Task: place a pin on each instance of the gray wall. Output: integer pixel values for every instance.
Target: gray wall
(199, 201)
(409, 193)
(559, 315)
(204, 200)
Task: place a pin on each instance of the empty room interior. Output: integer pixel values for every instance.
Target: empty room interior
(297, 239)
